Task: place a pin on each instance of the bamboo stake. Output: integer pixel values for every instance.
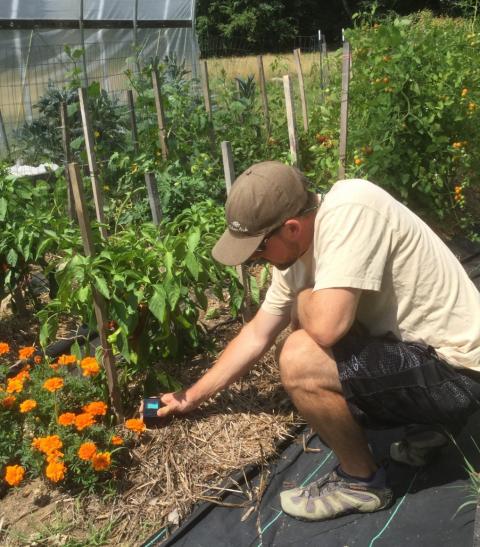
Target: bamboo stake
(290, 108)
(153, 198)
(92, 160)
(342, 153)
(263, 93)
(67, 157)
(133, 120)
(242, 272)
(206, 89)
(325, 58)
(4, 134)
(303, 98)
(162, 132)
(99, 304)
(320, 65)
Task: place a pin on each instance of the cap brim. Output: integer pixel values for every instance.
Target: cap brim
(233, 250)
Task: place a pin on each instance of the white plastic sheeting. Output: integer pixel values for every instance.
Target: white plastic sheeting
(30, 58)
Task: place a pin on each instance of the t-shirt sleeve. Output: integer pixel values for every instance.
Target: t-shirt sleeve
(280, 295)
(352, 246)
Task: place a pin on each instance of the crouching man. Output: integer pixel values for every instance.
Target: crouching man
(388, 326)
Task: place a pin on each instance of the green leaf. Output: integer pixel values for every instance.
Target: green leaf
(3, 209)
(102, 286)
(12, 257)
(254, 290)
(48, 330)
(192, 264)
(193, 240)
(173, 293)
(158, 303)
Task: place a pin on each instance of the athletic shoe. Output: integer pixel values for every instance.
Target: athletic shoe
(333, 496)
(418, 448)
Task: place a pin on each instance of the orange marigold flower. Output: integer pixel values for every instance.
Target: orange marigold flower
(116, 440)
(87, 451)
(9, 401)
(90, 366)
(47, 445)
(54, 366)
(37, 359)
(135, 424)
(55, 471)
(27, 405)
(97, 408)
(66, 359)
(54, 456)
(101, 461)
(4, 348)
(23, 374)
(14, 385)
(14, 474)
(84, 420)
(67, 418)
(52, 384)
(25, 353)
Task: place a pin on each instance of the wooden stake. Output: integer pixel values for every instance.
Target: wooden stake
(133, 120)
(242, 272)
(162, 132)
(99, 304)
(290, 107)
(92, 160)
(153, 198)
(342, 152)
(67, 157)
(4, 134)
(263, 93)
(325, 59)
(206, 89)
(303, 98)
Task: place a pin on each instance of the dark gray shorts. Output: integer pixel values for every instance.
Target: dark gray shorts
(388, 383)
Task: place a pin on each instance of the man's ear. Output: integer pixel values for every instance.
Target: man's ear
(292, 229)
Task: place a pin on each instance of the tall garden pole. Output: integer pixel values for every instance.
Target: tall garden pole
(92, 160)
(263, 93)
(82, 38)
(344, 109)
(133, 120)
(162, 132)
(100, 307)
(303, 98)
(325, 58)
(290, 107)
(67, 154)
(3, 134)
(206, 89)
(242, 272)
(153, 198)
(320, 63)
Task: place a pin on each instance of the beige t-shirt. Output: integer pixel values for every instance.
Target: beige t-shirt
(413, 286)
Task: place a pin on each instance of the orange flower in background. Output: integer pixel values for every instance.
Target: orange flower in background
(9, 401)
(14, 385)
(4, 348)
(116, 440)
(90, 366)
(55, 471)
(47, 445)
(101, 461)
(136, 425)
(67, 418)
(26, 353)
(14, 474)
(84, 420)
(52, 384)
(87, 451)
(96, 408)
(27, 405)
(66, 359)
(54, 456)
(37, 359)
(464, 92)
(23, 374)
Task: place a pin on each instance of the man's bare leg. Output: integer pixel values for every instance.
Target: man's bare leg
(310, 376)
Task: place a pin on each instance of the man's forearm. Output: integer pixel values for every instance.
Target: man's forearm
(237, 359)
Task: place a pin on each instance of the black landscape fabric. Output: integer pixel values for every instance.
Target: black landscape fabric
(426, 511)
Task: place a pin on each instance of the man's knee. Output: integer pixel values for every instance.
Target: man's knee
(302, 361)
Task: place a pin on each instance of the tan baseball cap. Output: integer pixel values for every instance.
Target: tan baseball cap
(262, 198)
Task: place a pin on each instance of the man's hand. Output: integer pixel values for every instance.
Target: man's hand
(175, 403)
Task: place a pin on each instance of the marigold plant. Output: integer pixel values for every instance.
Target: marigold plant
(26, 353)
(116, 440)
(53, 384)
(89, 366)
(96, 408)
(4, 348)
(14, 474)
(87, 451)
(67, 418)
(136, 425)
(56, 470)
(47, 444)
(84, 420)
(9, 401)
(28, 405)
(66, 360)
(101, 461)
(14, 385)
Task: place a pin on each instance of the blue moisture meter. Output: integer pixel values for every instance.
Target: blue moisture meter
(150, 407)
